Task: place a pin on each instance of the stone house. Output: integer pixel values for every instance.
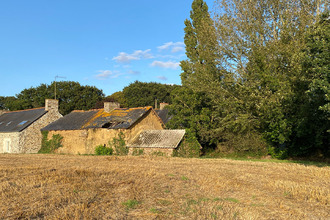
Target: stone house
(82, 131)
(156, 141)
(20, 130)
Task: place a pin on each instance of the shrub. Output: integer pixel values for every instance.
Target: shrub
(49, 146)
(249, 144)
(119, 144)
(189, 147)
(137, 152)
(103, 150)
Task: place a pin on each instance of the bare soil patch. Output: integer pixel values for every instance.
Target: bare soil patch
(128, 187)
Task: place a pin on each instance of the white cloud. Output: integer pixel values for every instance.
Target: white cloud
(166, 65)
(174, 46)
(136, 55)
(105, 74)
(162, 78)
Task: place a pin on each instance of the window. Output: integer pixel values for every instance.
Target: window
(22, 123)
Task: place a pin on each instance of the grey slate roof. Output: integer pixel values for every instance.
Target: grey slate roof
(163, 114)
(72, 121)
(121, 118)
(158, 139)
(19, 120)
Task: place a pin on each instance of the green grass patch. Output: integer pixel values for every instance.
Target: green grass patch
(131, 204)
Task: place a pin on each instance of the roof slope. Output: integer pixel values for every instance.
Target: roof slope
(164, 115)
(121, 118)
(158, 139)
(72, 121)
(19, 120)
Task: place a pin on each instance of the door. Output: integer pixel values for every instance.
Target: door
(6, 145)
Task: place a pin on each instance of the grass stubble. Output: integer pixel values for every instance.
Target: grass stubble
(127, 187)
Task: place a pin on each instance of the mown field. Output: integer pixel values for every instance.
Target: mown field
(110, 187)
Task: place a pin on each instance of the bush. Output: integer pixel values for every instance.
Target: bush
(137, 152)
(278, 153)
(249, 144)
(189, 147)
(49, 146)
(119, 144)
(103, 150)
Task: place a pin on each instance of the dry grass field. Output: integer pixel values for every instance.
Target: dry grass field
(110, 187)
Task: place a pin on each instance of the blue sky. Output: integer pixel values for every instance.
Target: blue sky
(102, 43)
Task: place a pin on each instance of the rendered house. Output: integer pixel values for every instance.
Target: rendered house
(82, 131)
(20, 130)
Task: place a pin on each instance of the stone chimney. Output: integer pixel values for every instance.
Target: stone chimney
(51, 105)
(3, 112)
(109, 106)
(162, 105)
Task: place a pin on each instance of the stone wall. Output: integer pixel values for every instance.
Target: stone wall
(30, 138)
(13, 139)
(85, 141)
(152, 151)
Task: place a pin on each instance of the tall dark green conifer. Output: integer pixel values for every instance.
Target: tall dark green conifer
(192, 107)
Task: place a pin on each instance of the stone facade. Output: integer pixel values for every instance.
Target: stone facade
(29, 139)
(10, 142)
(84, 141)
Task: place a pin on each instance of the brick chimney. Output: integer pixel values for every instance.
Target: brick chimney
(109, 106)
(162, 105)
(51, 105)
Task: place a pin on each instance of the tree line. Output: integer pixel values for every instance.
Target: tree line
(256, 77)
(73, 96)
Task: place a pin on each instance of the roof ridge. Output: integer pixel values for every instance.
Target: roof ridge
(24, 110)
(86, 110)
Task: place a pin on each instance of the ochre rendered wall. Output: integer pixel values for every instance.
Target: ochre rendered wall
(85, 141)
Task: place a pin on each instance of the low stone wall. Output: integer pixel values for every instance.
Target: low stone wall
(151, 151)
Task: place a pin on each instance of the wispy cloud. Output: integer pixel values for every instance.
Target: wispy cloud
(136, 55)
(166, 65)
(173, 46)
(162, 78)
(133, 72)
(105, 74)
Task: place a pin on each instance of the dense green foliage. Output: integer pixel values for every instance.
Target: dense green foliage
(189, 146)
(193, 108)
(49, 146)
(139, 94)
(115, 97)
(311, 121)
(71, 96)
(119, 144)
(103, 150)
(257, 76)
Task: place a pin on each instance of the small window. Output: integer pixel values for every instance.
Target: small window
(22, 123)
(8, 123)
(1, 122)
